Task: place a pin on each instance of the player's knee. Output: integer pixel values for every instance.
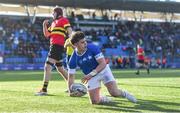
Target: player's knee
(114, 93)
(48, 65)
(59, 64)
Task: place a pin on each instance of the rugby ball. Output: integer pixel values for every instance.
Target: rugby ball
(79, 89)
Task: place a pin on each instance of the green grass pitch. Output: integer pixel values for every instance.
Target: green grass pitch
(157, 92)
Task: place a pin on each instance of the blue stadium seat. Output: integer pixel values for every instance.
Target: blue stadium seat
(103, 39)
(116, 52)
(44, 53)
(39, 60)
(16, 60)
(2, 47)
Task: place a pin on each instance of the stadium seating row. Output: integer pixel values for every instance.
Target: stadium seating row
(13, 60)
(21, 66)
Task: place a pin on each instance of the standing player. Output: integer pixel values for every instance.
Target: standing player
(92, 62)
(141, 60)
(57, 32)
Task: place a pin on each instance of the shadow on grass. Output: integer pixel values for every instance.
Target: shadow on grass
(116, 106)
(153, 105)
(152, 85)
(25, 93)
(141, 106)
(122, 105)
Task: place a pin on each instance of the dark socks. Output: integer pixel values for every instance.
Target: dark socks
(45, 86)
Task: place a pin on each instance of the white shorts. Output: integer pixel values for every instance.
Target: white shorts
(105, 76)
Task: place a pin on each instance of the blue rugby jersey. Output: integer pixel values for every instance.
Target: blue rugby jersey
(87, 61)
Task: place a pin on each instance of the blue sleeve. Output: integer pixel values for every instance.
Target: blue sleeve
(96, 52)
(94, 49)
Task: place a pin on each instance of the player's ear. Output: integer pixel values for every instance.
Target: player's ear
(75, 44)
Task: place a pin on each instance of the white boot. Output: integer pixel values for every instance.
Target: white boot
(129, 97)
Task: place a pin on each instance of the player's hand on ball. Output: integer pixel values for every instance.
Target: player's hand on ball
(86, 78)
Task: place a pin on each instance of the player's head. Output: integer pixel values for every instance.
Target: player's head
(78, 40)
(77, 36)
(57, 12)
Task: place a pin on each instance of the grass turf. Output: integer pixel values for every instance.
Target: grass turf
(157, 92)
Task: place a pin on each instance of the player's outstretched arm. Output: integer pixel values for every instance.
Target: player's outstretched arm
(70, 82)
